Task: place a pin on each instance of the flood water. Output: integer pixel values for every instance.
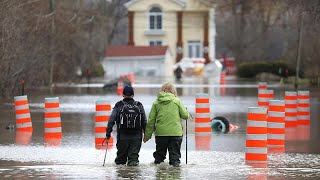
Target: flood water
(29, 156)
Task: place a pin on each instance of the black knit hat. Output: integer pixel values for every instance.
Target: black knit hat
(128, 91)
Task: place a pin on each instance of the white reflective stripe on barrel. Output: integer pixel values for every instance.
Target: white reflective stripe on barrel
(103, 102)
(202, 115)
(49, 110)
(251, 123)
(51, 100)
(202, 96)
(256, 150)
(290, 93)
(303, 117)
(263, 99)
(256, 137)
(202, 124)
(101, 124)
(202, 105)
(19, 107)
(257, 110)
(51, 130)
(276, 136)
(23, 125)
(276, 125)
(303, 109)
(100, 135)
(291, 118)
(276, 103)
(303, 101)
(291, 110)
(293, 102)
(276, 114)
(20, 98)
(304, 93)
(22, 116)
(52, 120)
(103, 113)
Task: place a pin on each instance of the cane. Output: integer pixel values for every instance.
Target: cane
(105, 155)
(187, 141)
(187, 138)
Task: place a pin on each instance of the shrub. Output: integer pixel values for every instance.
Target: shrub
(98, 70)
(251, 69)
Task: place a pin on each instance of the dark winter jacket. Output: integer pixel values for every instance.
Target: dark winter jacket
(122, 134)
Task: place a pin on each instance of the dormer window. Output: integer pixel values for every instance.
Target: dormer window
(155, 18)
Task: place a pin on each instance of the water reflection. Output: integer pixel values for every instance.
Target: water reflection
(168, 172)
(128, 172)
(23, 138)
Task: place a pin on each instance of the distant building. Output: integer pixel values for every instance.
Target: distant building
(142, 60)
(185, 27)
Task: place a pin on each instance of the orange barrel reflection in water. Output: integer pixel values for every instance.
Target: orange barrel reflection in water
(291, 108)
(262, 167)
(23, 118)
(303, 115)
(264, 95)
(202, 128)
(23, 138)
(52, 122)
(276, 126)
(103, 112)
(256, 139)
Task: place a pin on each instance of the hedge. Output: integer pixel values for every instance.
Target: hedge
(251, 69)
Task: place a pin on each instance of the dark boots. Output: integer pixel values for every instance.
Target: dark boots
(170, 143)
(128, 152)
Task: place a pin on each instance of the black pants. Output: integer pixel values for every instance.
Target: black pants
(128, 151)
(170, 143)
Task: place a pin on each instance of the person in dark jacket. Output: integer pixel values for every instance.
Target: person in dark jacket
(128, 140)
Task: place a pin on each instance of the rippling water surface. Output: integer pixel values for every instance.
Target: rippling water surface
(29, 156)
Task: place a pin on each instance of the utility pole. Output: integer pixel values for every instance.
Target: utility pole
(299, 51)
(52, 49)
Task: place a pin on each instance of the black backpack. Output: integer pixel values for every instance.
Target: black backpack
(130, 116)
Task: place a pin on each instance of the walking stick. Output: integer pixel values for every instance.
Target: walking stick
(105, 155)
(187, 141)
(187, 138)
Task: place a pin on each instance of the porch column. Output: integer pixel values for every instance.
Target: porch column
(206, 37)
(179, 50)
(130, 30)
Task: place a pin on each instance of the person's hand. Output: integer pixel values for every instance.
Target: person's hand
(108, 136)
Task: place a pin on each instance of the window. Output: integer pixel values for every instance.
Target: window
(194, 49)
(155, 43)
(155, 18)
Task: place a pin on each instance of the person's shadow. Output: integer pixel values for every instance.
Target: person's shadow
(129, 172)
(168, 172)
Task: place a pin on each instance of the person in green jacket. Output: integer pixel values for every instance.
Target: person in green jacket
(165, 121)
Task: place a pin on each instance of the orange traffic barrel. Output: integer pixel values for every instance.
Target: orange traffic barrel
(120, 87)
(23, 118)
(290, 108)
(52, 120)
(303, 108)
(303, 133)
(103, 112)
(202, 128)
(256, 139)
(264, 96)
(262, 85)
(276, 126)
(131, 77)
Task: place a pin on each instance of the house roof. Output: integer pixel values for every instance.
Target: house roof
(126, 51)
(182, 3)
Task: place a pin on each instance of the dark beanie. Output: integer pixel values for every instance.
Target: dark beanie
(128, 91)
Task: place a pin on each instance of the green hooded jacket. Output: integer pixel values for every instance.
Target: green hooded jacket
(165, 116)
